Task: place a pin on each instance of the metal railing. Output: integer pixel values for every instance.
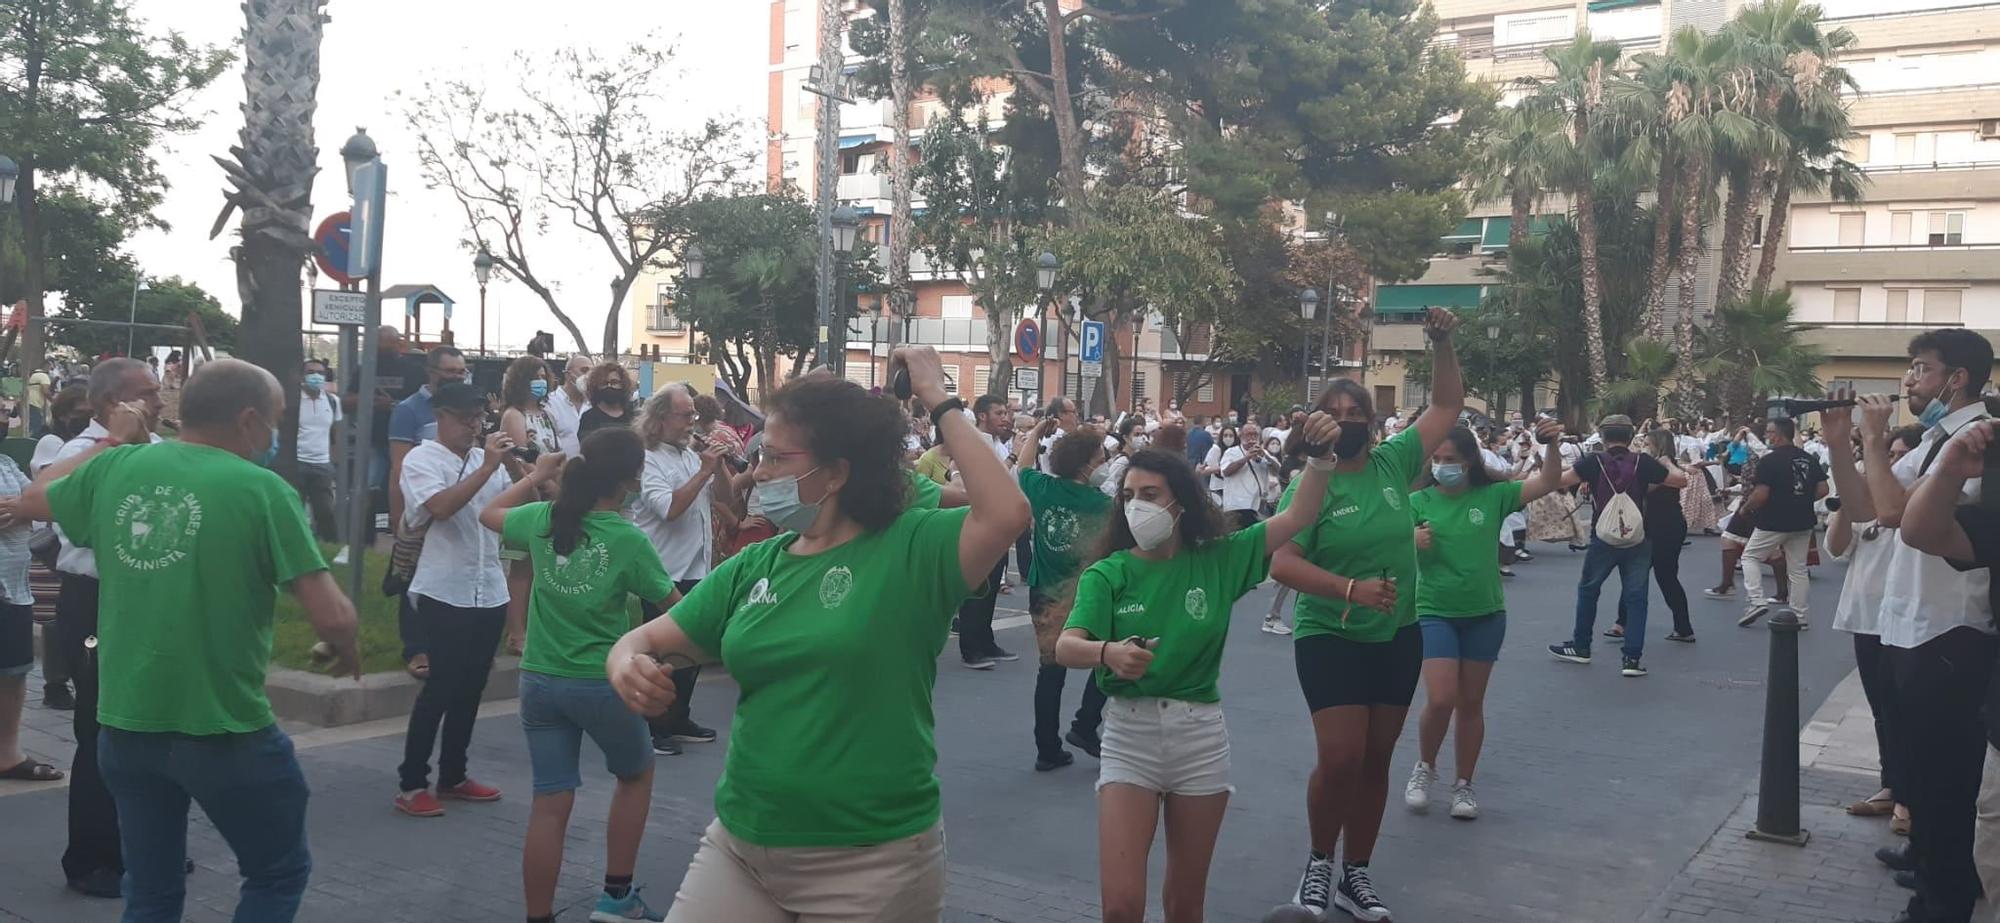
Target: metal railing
(1893, 248)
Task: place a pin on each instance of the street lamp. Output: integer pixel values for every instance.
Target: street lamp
(482, 270)
(846, 221)
(694, 262)
(1493, 342)
(1308, 306)
(9, 172)
(846, 224)
(1045, 271)
(357, 153)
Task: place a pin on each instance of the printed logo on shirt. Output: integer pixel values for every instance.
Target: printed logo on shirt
(833, 586)
(1196, 603)
(1393, 497)
(760, 594)
(1059, 530)
(156, 530)
(576, 573)
(1478, 516)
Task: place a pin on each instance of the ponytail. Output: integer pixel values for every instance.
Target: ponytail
(610, 458)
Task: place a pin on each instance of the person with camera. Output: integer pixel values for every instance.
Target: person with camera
(676, 502)
(1789, 481)
(459, 589)
(828, 806)
(1151, 617)
(1937, 621)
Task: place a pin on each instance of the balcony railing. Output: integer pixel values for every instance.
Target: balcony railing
(1935, 165)
(661, 319)
(1891, 248)
(863, 186)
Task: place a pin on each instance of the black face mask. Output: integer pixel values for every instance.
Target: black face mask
(608, 396)
(1353, 439)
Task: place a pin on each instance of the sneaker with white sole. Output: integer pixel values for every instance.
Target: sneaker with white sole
(620, 909)
(1356, 895)
(1463, 805)
(1417, 792)
(1568, 652)
(1719, 593)
(1752, 614)
(1315, 886)
(1276, 626)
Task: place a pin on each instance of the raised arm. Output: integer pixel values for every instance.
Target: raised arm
(1550, 478)
(1930, 519)
(1447, 387)
(447, 502)
(547, 467)
(1310, 495)
(1857, 502)
(999, 511)
(1885, 493)
(1031, 451)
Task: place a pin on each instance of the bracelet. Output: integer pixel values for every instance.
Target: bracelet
(1348, 594)
(938, 412)
(1321, 464)
(1102, 646)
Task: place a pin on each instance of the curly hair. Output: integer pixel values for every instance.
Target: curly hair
(841, 421)
(520, 374)
(1074, 452)
(602, 373)
(706, 408)
(1200, 519)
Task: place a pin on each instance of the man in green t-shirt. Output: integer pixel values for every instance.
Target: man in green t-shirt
(193, 539)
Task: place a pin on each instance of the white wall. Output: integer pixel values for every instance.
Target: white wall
(1813, 302)
(1917, 69)
(1922, 145)
(1626, 24)
(1841, 9)
(1819, 225)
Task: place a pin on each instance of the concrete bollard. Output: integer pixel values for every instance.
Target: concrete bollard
(1778, 784)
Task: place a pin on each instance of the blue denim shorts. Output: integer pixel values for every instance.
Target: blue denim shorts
(556, 713)
(1474, 637)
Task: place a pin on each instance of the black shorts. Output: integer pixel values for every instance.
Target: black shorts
(17, 639)
(1335, 671)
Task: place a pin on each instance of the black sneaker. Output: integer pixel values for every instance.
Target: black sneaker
(1000, 654)
(1906, 880)
(1356, 895)
(954, 626)
(1897, 858)
(1054, 761)
(58, 697)
(665, 746)
(977, 662)
(1087, 743)
(692, 733)
(1630, 666)
(1568, 652)
(1677, 636)
(103, 883)
(1315, 886)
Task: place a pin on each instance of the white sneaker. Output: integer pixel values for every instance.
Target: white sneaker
(1463, 805)
(341, 558)
(1417, 793)
(1276, 626)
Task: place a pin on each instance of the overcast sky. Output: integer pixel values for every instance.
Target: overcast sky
(375, 48)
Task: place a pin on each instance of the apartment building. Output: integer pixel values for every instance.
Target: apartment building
(946, 316)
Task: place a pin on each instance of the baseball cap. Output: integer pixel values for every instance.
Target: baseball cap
(459, 396)
(1616, 419)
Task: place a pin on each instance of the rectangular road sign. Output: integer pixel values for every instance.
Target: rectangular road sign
(338, 307)
(1093, 341)
(1093, 369)
(1027, 379)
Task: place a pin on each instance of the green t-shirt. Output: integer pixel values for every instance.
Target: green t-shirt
(1460, 574)
(1068, 519)
(576, 610)
(925, 494)
(1184, 601)
(836, 655)
(192, 543)
(1364, 531)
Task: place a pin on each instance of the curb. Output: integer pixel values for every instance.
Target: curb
(329, 701)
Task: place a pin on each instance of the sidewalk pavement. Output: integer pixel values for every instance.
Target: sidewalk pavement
(1834, 878)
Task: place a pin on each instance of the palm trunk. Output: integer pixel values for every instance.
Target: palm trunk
(1517, 223)
(1774, 233)
(901, 298)
(276, 163)
(1593, 292)
(1691, 245)
(1746, 189)
(32, 251)
(1663, 230)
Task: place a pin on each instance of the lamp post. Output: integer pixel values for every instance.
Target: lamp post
(1492, 346)
(1046, 268)
(139, 284)
(357, 155)
(693, 264)
(482, 270)
(1308, 306)
(9, 172)
(846, 222)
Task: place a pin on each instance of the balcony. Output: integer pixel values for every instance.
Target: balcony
(1858, 340)
(865, 115)
(1901, 262)
(859, 187)
(660, 318)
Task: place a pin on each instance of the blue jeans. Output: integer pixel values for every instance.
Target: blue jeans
(1632, 565)
(250, 787)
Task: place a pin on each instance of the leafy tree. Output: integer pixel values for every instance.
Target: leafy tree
(1577, 92)
(579, 148)
(168, 301)
(1755, 350)
(85, 93)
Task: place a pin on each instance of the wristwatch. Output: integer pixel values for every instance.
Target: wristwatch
(949, 405)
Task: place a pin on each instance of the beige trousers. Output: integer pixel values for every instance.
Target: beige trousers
(731, 881)
(1986, 840)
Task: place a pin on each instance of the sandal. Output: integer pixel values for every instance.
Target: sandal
(419, 666)
(1615, 631)
(1899, 826)
(1872, 807)
(29, 770)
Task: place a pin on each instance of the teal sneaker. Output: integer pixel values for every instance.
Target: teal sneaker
(620, 909)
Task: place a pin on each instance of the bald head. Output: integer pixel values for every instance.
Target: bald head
(388, 339)
(222, 390)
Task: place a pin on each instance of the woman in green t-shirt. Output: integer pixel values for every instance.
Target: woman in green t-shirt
(1355, 638)
(1461, 608)
(1151, 616)
(587, 559)
(1069, 517)
(828, 803)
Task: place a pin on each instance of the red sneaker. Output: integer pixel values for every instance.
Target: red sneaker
(420, 803)
(470, 790)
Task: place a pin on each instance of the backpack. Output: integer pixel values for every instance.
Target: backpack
(1620, 524)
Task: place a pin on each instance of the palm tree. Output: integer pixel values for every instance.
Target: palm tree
(270, 174)
(1577, 91)
(900, 298)
(1648, 363)
(1812, 129)
(1514, 161)
(1755, 350)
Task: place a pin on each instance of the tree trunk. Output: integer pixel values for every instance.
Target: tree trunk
(620, 287)
(1517, 223)
(33, 280)
(281, 71)
(1663, 232)
(1593, 292)
(1104, 397)
(1692, 176)
(901, 299)
(1774, 234)
(1745, 190)
(1069, 134)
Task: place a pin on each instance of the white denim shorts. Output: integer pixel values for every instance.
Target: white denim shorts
(1165, 745)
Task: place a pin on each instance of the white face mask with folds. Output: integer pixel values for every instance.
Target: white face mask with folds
(1152, 524)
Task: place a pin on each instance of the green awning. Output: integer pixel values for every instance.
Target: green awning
(1409, 299)
(1496, 232)
(1469, 228)
(1599, 6)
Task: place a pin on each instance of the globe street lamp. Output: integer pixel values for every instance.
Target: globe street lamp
(694, 262)
(1045, 271)
(846, 225)
(1308, 307)
(357, 153)
(482, 271)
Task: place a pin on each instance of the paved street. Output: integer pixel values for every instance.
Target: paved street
(1597, 791)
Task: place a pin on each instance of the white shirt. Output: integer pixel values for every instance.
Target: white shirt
(1114, 471)
(1243, 490)
(1860, 607)
(45, 453)
(1003, 449)
(460, 563)
(685, 544)
(317, 414)
(70, 559)
(566, 415)
(1922, 596)
(1494, 462)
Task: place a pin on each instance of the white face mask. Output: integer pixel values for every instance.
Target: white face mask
(1152, 525)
